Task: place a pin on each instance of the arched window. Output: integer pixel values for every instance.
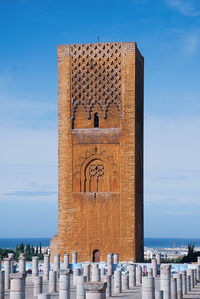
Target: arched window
(96, 256)
(96, 120)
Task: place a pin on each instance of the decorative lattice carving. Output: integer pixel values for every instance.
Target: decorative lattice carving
(96, 171)
(96, 77)
(93, 175)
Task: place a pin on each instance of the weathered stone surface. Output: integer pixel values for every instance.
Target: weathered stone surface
(95, 286)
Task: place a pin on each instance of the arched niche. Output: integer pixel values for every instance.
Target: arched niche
(93, 176)
(98, 173)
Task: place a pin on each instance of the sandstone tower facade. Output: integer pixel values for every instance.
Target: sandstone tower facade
(100, 151)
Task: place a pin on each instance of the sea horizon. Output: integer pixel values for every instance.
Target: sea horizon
(11, 243)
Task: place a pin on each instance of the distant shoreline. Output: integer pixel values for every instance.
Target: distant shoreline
(11, 243)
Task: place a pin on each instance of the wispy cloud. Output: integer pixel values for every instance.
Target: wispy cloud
(180, 213)
(171, 178)
(29, 110)
(30, 193)
(189, 8)
(191, 42)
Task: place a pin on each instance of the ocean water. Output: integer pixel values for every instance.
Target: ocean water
(148, 242)
(170, 242)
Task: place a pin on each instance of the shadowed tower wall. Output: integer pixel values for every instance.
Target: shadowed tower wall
(100, 151)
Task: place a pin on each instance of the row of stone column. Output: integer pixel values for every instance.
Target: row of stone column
(170, 286)
(111, 259)
(66, 260)
(83, 290)
(126, 281)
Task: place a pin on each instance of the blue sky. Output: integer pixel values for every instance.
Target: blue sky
(168, 35)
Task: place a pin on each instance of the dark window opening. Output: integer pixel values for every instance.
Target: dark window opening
(72, 123)
(96, 256)
(96, 120)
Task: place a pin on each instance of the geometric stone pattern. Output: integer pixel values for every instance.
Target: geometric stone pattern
(96, 76)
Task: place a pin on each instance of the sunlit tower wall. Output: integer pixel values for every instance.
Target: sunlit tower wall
(100, 151)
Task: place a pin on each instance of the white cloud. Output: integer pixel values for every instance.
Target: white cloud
(28, 146)
(186, 7)
(191, 41)
(28, 163)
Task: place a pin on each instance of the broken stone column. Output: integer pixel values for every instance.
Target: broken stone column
(117, 282)
(149, 272)
(95, 265)
(0, 261)
(56, 265)
(110, 263)
(74, 257)
(2, 282)
(193, 280)
(184, 281)
(165, 281)
(109, 258)
(178, 277)
(158, 294)
(188, 283)
(116, 258)
(132, 276)
(148, 287)
(66, 261)
(80, 290)
(138, 275)
(158, 258)
(52, 281)
(102, 273)
(22, 265)
(95, 290)
(173, 288)
(37, 289)
(157, 283)
(190, 272)
(7, 264)
(125, 282)
(11, 257)
(198, 272)
(21, 254)
(76, 272)
(195, 276)
(96, 276)
(46, 267)
(64, 284)
(86, 271)
(17, 290)
(107, 279)
(154, 267)
(44, 296)
(34, 266)
(198, 260)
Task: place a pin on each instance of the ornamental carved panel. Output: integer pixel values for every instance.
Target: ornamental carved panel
(96, 77)
(96, 171)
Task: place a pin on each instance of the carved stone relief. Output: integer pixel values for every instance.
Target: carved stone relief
(96, 77)
(96, 172)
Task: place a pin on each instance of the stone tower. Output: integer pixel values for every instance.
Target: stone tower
(100, 151)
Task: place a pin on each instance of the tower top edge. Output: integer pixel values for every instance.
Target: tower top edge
(99, 43)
